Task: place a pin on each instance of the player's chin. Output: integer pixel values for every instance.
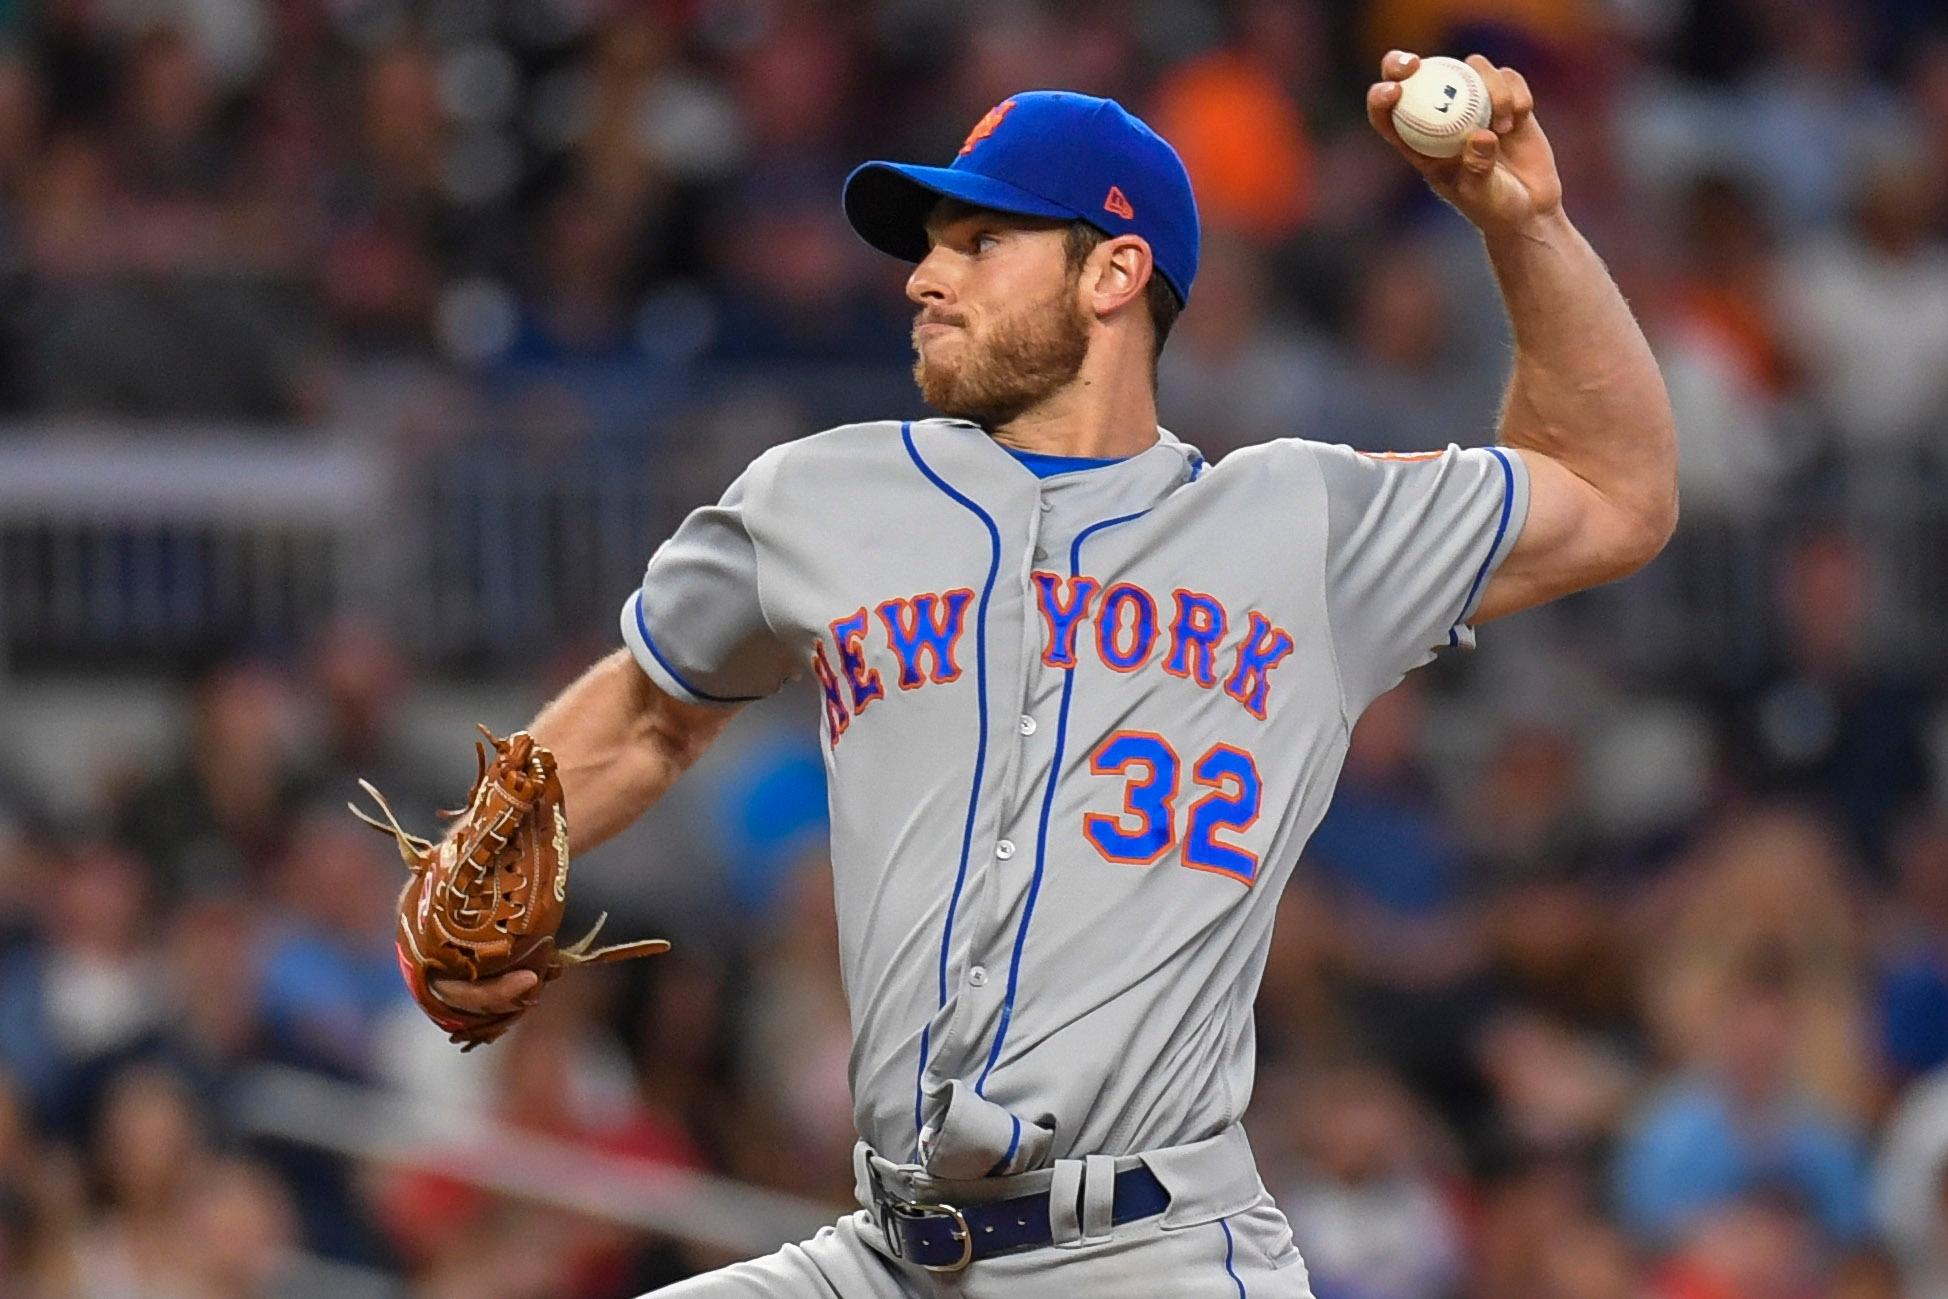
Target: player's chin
(934, 368)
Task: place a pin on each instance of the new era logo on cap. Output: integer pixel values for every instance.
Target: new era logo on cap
(1118, 204)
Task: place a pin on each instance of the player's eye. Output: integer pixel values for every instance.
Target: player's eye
(984, 242)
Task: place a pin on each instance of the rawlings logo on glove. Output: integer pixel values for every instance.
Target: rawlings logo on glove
(489, 897)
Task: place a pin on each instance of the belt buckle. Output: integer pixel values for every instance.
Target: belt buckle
(962, 1232)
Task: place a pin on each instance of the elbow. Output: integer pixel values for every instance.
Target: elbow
(1648, 529)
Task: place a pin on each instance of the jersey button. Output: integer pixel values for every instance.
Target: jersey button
(978, 977)
(1047, 505)
(1041, 554)
(1005, 849)
(1027, 724)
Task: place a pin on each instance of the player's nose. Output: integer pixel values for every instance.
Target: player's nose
(928, 285)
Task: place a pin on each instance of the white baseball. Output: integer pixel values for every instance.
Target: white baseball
(1440, 104)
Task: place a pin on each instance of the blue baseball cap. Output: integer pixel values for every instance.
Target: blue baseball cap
(1045, 153)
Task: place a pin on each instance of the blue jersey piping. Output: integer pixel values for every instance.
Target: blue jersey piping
(670, 668)
(1041, 835)
(1501, 530)
(1228, 1270)
(981, 745)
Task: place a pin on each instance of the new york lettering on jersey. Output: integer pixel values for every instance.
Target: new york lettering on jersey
(1127, 634)
(1076, 730)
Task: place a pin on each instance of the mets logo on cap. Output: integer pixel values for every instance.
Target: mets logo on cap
(985, 127)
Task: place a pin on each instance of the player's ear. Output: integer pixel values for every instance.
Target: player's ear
(1117, 272)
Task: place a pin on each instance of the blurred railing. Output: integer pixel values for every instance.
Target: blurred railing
(121, 542)
(392, 1131)
(125, 546)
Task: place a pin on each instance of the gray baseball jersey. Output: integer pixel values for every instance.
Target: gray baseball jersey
(1076, 730)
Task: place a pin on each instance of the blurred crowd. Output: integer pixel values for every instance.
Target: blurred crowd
(1591, 986)
(574, 219)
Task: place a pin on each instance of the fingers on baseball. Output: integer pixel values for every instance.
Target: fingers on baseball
(1521, 98)
(1478, 155)
(1381, 96)
(496, 996)
(1380, 100)
(1501, 109)
(1398, 65)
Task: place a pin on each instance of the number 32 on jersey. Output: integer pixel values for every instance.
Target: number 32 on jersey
(1146, 830)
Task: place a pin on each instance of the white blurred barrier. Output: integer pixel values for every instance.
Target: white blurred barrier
(383, 1128)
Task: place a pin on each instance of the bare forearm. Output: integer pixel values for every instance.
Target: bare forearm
(1585, 391)
(619, 743)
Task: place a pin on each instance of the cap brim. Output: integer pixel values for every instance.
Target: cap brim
(888, 202)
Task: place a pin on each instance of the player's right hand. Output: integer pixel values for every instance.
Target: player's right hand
(1505, 176)
(501, 995)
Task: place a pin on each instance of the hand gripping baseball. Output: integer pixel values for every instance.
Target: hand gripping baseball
(483, 905)
(1505, 176)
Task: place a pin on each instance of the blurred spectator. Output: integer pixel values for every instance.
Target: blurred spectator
(149, 1153)
(561, 1075)
(1367, 1214)
(1392, 869)
(1431, 26)
(1727, 358)
(1232, 117)
(1733, 1128)
(329, 974)
(1763, 893)
(1912, 952)
(1911, 1187)
(1406, 386)
(358, 677)
(798, 1036)
(240, 1242)
(1537, 1235)
(78, 1001)
(212, 993)
(1869, 313)
(1820, 723)
(1759, 1246)
(1233, 375)
(218, 818)
(1556, 1091)
(1812, 84)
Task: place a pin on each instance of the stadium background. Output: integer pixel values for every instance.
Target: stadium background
(356, 353)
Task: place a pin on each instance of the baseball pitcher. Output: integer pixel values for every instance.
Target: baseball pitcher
(1083, 696)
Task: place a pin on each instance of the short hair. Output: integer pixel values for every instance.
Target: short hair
(1084, 238)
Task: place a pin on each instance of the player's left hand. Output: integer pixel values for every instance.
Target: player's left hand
(1505, 177)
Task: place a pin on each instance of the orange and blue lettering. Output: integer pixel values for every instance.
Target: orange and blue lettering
(1151, 799)
(926, 624)
(835, 714)
(1231, 775)
(1194, 635)
(1262, 648)
(1141, 633)
(849, 634)
(1062, 620)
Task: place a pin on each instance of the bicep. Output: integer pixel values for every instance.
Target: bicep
(1575, 538)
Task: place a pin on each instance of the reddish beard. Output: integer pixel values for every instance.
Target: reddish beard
(1023, 360)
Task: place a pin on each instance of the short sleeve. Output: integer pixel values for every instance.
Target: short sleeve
(697, 625)
(1411, 542)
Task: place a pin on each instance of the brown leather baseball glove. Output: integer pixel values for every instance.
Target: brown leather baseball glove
(488, 897)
